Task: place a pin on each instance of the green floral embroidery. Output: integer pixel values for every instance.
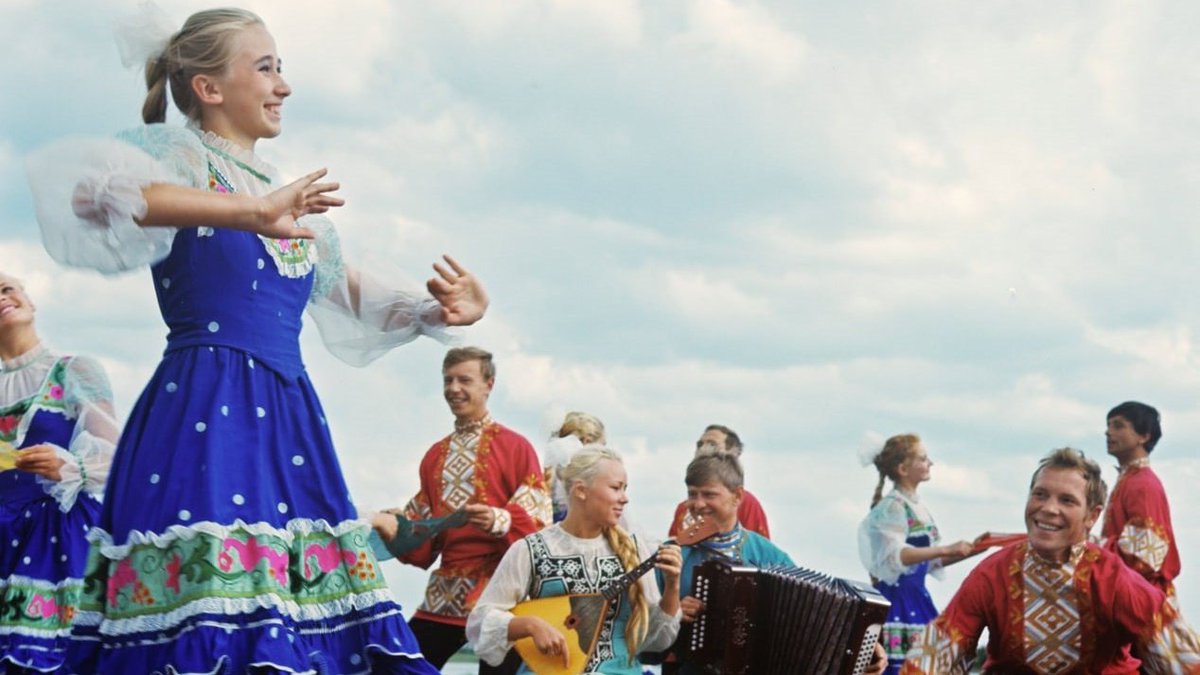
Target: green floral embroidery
(52, 396)
(316, 567)
(30, 606)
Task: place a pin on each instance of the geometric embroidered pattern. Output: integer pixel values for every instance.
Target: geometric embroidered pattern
(459, 469)
(449, 595)
(1175, 644)
(570, 572)
(536, 502)
(1053, 637)
(939, 651)
(1145, 544)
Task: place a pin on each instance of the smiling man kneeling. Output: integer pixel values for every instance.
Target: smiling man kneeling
(1055, 603)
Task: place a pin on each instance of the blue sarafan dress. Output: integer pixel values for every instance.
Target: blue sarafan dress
(898, 521)
(228, 543)
(63, 402)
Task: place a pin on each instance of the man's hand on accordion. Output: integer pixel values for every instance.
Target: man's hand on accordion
(878, 663)
(690, 607)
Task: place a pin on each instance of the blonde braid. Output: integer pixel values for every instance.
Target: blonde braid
(639, 612)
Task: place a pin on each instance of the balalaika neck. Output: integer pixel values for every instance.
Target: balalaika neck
(622, 583)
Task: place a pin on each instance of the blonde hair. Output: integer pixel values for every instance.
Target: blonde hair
(204, 46)
(583, 469)
(584, 426)
(896, 451)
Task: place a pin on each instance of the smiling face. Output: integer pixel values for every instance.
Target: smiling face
(1057, 515)
(715, 502)
(244, 103)
(16, 309)
(603, 499)
(466, 390)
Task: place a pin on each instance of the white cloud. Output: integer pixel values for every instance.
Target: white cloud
(745, 37)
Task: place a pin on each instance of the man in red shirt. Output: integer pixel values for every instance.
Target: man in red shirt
(492, 473)
(718, 438)
(1137, 521)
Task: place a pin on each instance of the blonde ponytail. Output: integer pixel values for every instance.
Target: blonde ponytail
(639, 612)
(154, 109)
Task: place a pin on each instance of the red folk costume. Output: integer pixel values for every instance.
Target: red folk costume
(750, 515)
(1077, 617)
(1137, 526)
(480, 463)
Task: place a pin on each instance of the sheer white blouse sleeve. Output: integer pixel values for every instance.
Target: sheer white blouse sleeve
(88, 397)
(881, 537)
(88, 192)
(487, 625)
(359, 317)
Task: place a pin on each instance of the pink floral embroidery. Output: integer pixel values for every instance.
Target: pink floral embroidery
(7, 424)
(41, 607)
(56, 392)
(329, 557)
(173, 573)
(250, 553)
(122, 577)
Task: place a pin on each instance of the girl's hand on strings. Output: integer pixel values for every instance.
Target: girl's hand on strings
(460, 293)
(302, 197)
(42, 460)
(547, 640)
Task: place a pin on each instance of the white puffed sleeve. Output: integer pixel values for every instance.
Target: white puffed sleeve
(359, 317)
(88, 398)
(88, 192)
(881, 537)
(487, 625)
(663, 627)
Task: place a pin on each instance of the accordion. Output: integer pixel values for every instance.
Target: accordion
(781, 620)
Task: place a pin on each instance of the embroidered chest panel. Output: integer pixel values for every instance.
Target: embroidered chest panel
(459, 469)
(554, 574)
(51, 396)
(294, 258)
(917, 526)
(1053, 628)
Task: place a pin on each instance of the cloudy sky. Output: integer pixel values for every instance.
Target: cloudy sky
(811, 222)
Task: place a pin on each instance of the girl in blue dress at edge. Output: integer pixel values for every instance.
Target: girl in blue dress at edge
(899, 543)
(229, 543)
(58, 410)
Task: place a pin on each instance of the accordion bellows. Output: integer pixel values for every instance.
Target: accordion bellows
(781, 620)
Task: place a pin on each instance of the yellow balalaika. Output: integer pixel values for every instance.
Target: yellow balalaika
(580, 616)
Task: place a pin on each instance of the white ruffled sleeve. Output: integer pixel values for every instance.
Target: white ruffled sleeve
(881, 537)
(663, 627)
(487, 625)
(361, 318)
(88, 192)
(88, 397)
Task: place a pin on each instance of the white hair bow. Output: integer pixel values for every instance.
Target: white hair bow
(869, 447)
(143, 35)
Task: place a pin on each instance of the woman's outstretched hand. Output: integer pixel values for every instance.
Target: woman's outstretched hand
(460, 293)
(299, 198)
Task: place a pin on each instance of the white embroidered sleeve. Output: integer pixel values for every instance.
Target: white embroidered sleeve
(361, 318)
(487, 625)
(881, 537)
(88, 194)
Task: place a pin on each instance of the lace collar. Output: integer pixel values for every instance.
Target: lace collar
(24, 360)
(235, 153)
